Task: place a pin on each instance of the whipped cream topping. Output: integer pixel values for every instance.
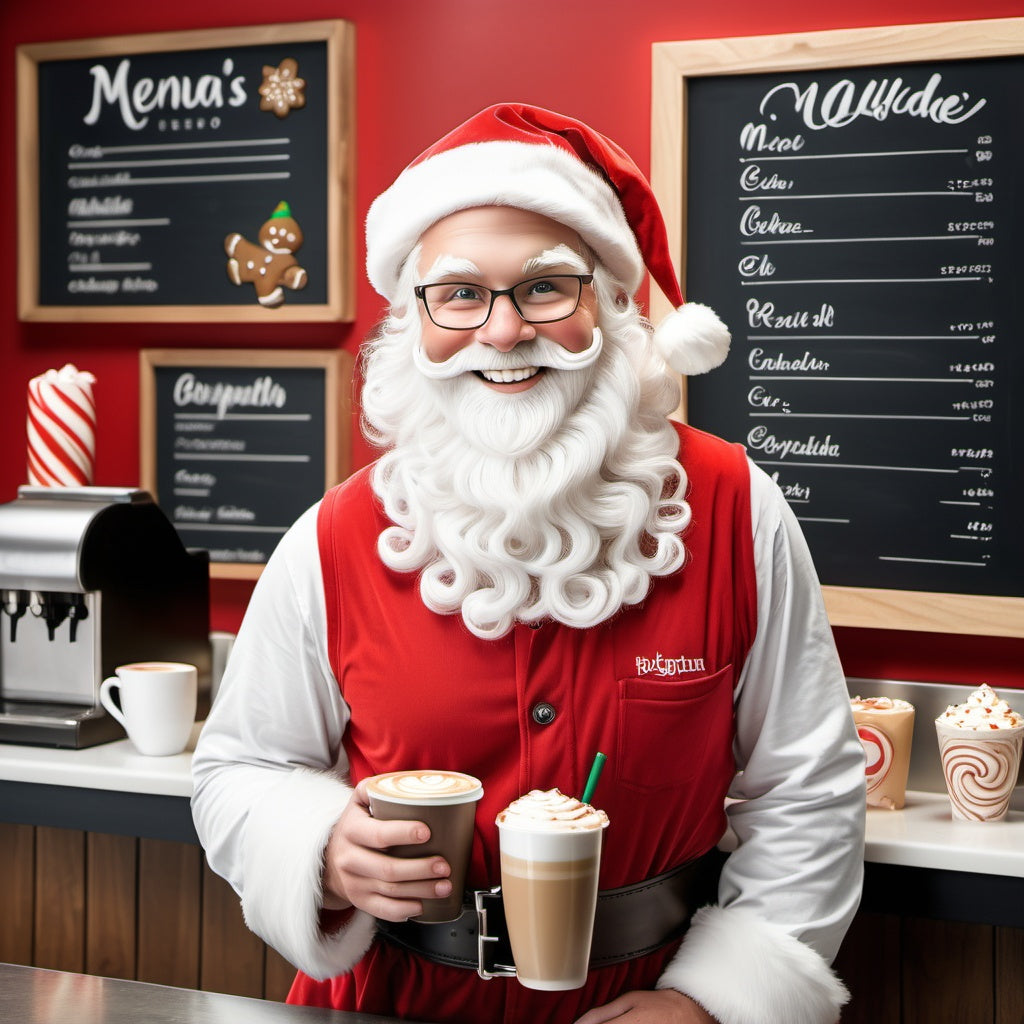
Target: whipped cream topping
(880, 704)
(551, 811)
(983, 710)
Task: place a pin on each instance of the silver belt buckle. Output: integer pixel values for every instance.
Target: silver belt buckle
(485, 942)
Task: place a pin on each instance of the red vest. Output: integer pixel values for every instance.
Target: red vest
(652, 688)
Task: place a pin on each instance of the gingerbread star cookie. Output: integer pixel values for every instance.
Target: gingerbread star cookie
(282, 90)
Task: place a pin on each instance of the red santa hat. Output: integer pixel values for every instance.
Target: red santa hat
(513, 154)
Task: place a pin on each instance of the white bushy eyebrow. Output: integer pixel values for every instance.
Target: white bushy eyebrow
(561, 257)
(448, 267)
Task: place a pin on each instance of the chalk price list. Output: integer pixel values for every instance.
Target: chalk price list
(867, 270)
(116, 242)
(148, 161)
(239, 458)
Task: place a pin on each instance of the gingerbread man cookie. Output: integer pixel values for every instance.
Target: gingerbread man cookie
(271, 265)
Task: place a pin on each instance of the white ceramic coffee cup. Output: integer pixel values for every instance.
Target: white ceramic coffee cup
(155, 702)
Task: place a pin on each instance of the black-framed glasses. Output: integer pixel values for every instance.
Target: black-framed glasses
(463, 306)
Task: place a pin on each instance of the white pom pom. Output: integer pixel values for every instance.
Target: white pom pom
(692, 339)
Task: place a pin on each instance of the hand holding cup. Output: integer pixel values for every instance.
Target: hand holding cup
(395, 858)
(359, 870)
(445, 802)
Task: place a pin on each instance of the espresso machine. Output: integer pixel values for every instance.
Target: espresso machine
(90, 578)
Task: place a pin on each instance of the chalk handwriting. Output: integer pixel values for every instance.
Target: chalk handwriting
(879, 99)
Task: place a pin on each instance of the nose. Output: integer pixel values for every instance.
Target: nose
(505, 328)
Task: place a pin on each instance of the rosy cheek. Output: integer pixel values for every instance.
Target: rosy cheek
(575, 334)
(439, 344)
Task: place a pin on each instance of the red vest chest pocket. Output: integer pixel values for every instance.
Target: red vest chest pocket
(673, 731)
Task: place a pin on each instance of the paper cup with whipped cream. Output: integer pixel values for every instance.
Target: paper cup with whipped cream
(980, 745)
(885, 726)
(446, 801)
(550, 858)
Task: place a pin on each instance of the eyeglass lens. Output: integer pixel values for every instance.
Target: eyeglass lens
(462, 306)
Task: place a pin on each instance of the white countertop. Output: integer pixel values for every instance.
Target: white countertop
(922, 834)
(111, 766)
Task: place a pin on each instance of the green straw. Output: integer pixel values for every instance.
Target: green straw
(595, 774)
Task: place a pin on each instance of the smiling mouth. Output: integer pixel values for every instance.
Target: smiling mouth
(509, 376)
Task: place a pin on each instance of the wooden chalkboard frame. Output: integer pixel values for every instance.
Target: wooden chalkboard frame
(673, 64)
(339, 37)
(337, 371)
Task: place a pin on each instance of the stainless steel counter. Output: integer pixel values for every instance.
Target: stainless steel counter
(29, 995)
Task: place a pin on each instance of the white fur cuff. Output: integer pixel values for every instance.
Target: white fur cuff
(285, 838)
(745, 970)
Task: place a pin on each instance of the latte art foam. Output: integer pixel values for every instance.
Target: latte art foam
(551, 811)
(428, 787)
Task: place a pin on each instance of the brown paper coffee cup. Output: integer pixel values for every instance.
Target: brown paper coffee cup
(446, 802)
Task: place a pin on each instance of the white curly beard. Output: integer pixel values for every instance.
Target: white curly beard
(560, 502)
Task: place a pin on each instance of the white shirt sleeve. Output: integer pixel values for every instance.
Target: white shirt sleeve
(801, 763)
(792, 885)
(269, 771)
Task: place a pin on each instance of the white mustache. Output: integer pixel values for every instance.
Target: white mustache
(539, 351)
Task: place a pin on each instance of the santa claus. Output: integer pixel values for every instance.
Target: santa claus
(541, 565)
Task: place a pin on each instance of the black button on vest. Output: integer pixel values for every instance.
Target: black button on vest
(544, 713)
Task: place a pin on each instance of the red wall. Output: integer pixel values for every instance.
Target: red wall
(422, 67)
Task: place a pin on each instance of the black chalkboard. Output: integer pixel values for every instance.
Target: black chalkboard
(236, 446)
(858, 228)
(153, 151)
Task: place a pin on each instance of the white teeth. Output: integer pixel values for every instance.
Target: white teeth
(509, 376)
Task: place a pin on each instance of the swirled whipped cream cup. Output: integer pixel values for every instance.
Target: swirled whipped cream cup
(886, 729)
(446, 801)
(980, 744)
(550, 858)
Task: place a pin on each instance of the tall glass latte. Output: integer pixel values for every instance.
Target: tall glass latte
(550, 857)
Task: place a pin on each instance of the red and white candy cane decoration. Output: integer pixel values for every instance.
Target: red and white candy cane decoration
(61, 428)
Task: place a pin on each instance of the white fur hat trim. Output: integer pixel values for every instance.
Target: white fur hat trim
(541, 178)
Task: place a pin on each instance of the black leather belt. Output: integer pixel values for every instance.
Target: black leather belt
(628, 923)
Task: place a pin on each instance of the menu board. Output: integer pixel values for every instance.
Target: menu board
(236, 446)
(857, 228)
(187, 176)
